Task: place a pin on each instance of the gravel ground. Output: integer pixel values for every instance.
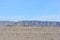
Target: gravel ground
(29, 33)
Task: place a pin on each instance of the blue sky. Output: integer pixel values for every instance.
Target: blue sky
(43, 10)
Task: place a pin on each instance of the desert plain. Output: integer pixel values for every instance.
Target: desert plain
(29, 33)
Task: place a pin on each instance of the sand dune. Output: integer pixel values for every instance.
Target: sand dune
(29, 33)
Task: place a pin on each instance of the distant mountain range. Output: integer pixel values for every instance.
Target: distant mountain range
(31, 23)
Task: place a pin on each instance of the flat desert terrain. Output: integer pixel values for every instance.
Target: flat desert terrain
(29, 33)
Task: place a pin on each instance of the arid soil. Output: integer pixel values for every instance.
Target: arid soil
(29, 33)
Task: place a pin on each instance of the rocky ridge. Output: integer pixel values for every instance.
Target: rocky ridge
(31, 23)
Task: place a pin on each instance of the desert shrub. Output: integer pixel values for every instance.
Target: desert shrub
(8, 25)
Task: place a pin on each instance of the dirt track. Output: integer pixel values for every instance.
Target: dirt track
(29, 33)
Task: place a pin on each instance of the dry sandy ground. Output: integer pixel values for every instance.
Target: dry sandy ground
(29, 33)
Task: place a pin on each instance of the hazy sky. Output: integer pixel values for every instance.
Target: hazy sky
(43, 10)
